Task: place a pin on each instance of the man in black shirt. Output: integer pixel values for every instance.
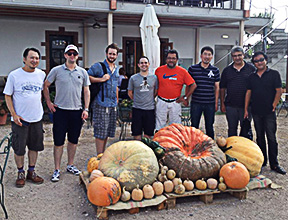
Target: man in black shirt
(264, 90)
(233, 89)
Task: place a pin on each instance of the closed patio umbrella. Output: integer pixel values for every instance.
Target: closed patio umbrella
(149, 35)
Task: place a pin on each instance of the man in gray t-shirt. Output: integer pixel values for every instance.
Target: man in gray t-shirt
(142, 89)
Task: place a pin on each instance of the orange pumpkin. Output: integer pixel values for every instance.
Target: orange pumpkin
(235, 174)
(104, 191)
(93, 164)
(131, 163)
(189, 152)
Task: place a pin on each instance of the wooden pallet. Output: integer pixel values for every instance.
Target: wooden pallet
(102, 212)
(205, 196)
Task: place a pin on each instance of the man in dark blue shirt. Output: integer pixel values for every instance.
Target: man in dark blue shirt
(205, 97)
(264, 90)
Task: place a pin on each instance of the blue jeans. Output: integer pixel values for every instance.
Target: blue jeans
(267, 125)
(209, 115)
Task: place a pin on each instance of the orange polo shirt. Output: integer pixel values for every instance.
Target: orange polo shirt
(171, 81)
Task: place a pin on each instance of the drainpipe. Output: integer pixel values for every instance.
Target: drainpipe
(85, 42)
(241, 33)
(110, 28)
(264, 44)
(197, 38)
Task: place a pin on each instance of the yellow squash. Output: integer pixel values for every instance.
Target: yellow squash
(247, 152)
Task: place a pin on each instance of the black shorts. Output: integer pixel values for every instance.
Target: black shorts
(30, 135)
(66, 121)
(143, 120)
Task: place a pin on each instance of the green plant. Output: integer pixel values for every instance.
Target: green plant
(3, 108)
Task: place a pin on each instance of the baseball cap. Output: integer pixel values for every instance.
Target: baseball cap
(71, 47)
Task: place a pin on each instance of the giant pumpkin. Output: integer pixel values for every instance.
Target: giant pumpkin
(190, 152)
(131, 163)
(247, 152)
(104, 191)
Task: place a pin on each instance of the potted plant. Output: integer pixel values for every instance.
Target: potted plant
(3, 112)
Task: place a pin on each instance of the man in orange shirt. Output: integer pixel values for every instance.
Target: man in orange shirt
(171, 79)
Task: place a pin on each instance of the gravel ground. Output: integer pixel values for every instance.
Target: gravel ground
(67, 200)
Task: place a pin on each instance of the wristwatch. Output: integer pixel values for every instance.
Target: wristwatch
(86, 109)
(185, 97)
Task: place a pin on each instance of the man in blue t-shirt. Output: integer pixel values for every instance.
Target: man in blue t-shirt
(205, 97)
(105, 108)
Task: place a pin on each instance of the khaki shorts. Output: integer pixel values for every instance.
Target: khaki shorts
(30, 135)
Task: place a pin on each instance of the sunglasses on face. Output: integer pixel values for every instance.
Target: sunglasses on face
(260, 60)
(70, 54)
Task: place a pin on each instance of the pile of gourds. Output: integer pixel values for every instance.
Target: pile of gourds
(130, 169)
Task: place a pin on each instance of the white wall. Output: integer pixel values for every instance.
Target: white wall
(16, 35)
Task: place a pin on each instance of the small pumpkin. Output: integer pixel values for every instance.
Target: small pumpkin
(92, 164)
(201, 184)
(158, 188)
(221, 141)
(137, 194)
(222, 186)
(235, 174)
(189, 185)
(180, 188)
(104, 191)
(168, 186)
(171, 174)
(212, 183)
(95, 174)
(148, 191)
(126, 196)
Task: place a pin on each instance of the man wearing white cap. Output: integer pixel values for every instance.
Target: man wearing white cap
(68, 114)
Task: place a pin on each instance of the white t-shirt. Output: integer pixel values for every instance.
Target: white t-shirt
(25, 88)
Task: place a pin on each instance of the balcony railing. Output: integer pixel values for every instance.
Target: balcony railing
(221, 4)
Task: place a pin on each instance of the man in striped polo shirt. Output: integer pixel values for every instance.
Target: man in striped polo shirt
(205, 97)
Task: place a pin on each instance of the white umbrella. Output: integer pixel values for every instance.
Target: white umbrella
(149, 34)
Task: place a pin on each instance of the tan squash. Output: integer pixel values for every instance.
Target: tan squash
(95, 174)
(222, 186)
(171, 174)
(125, 196)
(162, 178)
(158, 188)
(212, 183)
(221, 141)
(176, 181)
(189, 185)
(168, 186)
(137, 194)
(180, 188)
(148, 191)
(201, 184)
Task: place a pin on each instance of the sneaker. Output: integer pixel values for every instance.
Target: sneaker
(56, 176)
(20, 182)
(72, 169)
(32, 176)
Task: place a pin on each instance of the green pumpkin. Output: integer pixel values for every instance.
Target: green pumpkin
(131, 163)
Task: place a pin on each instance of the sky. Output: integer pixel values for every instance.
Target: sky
(278, 7)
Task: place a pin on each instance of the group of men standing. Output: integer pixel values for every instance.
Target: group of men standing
(240, 85)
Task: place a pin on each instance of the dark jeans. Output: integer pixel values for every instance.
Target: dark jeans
(209, 116)
(267, 125)
(235, 115)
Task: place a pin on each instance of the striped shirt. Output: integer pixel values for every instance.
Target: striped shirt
(205, 80)
(235, 83)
